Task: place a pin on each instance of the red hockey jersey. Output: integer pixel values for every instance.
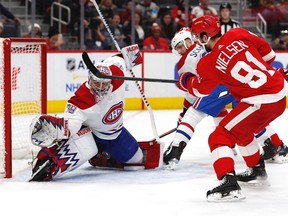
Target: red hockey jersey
(241, 61)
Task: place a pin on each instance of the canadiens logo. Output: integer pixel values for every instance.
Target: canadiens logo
(113, 114)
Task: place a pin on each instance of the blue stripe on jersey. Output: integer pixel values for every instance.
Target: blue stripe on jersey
(184, 134)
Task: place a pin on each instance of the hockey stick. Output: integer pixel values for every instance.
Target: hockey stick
(165, 134)
(94, 70)
(131, 72)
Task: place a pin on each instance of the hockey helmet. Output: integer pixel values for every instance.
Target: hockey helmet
(209, 24)
(180, 37)
(225, 5)
(100, 87)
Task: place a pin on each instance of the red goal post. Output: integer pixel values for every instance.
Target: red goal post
(23, 95)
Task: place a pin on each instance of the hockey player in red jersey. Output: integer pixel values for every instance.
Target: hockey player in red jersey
(241, 61)
(195, 109)
(92, 124)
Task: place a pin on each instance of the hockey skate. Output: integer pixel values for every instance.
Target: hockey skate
(273, 154)
(269, 150)
(254, 176)
(172, 155)
(43, 170)
(228, 190)
(283, 153)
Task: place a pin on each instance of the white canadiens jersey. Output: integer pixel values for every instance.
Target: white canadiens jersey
(105, 117)
(188, 63)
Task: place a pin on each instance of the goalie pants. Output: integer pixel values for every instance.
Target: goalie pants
(239, 126)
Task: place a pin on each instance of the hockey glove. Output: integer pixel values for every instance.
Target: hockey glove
(45, 130)
(183, 80)
(284, 72)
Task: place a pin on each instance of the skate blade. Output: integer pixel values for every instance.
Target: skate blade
(255, 183)
(284, 159)
(172, 165)
(233, 196)
(275, 160)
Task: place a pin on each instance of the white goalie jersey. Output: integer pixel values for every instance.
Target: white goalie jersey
(104, 117)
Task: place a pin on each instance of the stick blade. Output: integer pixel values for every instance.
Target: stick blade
(91, 66)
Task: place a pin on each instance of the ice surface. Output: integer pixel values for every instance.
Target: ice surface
(182, 192)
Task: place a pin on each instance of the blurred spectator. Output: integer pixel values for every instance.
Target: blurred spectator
(74, 6)
(97, 37)
(139, 31)
(283, 8)
(281, 42)
(149, 12)
(126, 13)
(107, 8)
(168, 25)
(117, 30)
(178, 14)
(226, 21)
(8, 15)
(155, 41)
(203, 9)
(1, 30)
(37, 33)
(272, 16)
(89, 11)
(55, 39)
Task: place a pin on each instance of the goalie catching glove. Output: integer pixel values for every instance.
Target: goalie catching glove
(45, 130)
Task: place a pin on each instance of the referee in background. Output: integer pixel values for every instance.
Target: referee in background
(227, 22)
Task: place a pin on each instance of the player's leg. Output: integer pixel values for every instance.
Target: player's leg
(183, 134)
(274, 149)
(239, 127)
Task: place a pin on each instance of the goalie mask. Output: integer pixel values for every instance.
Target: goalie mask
(98, 86)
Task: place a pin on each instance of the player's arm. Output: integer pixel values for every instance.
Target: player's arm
(198, 87)
(263, 47)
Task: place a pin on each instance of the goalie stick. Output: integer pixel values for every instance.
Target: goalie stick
(165, 134)
(95, 71)
(131, 72)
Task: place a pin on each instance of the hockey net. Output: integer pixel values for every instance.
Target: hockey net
(23, 95)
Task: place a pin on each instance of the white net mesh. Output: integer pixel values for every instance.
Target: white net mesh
(26, 94)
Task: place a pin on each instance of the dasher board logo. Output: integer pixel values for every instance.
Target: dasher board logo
(71, 64)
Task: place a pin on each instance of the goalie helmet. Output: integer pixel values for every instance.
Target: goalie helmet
(180, 37)
(100, 87)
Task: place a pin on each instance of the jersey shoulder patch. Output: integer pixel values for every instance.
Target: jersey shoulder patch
(83, 99)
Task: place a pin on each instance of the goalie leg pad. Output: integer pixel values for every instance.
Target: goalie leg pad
(152, 153)
(70, 154)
